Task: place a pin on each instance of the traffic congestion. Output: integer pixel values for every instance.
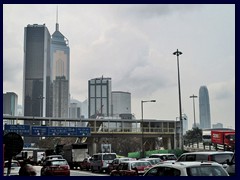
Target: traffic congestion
(205, 163)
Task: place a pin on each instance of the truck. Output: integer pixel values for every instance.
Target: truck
(223, 139)
(206, 137)
(75, 154)
(38, 156)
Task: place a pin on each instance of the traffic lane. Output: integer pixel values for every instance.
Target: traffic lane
(75, 172)
(86, 173)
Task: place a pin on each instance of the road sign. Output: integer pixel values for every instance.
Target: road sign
(83, 131)
(62, 131)
(39, 131)
(22, 130)
(25, 130)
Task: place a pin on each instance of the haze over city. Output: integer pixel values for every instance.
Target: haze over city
(134, 45)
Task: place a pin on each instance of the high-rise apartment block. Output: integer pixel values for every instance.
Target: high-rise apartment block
(204, 108)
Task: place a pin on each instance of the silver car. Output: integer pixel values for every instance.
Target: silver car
(187, 169)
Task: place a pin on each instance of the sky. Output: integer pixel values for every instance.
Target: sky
(133, 44)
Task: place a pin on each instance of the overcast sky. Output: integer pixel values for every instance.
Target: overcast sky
(134, 45)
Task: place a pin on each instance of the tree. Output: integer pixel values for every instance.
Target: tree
(193, 136)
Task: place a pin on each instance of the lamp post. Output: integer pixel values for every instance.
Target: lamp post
(193, 96)
(178, 53)
(142, 155)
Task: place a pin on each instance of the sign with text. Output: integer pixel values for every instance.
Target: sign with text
(27, 130)
(39, 131)
(19, 129)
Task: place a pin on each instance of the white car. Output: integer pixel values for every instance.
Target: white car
(15, 166)
(187, 169)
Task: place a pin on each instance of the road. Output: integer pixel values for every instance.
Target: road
(75, 172)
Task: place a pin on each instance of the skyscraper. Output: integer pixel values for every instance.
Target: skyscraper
(99, 95)
(37, 84)
(10, 102)
(60, 73)
(36, 81)
(204, 108)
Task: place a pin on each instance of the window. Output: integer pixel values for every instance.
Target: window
(152, 172)
(191, 157)
(220, 158)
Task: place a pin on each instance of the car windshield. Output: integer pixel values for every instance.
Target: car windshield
(206, 171)
(109, 156)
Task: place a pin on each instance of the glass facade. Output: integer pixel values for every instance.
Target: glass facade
(204, 108)
(99, 96)
(37, 71)
(60, 59)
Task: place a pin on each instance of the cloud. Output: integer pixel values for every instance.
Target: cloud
(222, 90)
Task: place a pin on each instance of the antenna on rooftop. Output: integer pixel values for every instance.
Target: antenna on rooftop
(57, 25)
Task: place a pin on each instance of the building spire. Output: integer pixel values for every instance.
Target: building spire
(57, 25)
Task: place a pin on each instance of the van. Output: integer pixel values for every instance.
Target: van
(217, 156)
(100, 161)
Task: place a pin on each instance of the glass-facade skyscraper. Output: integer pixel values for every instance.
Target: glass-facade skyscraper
(37, 83)
(60, 58)
(99, 95)
(204, 108)
(37, 91)
(10, 102)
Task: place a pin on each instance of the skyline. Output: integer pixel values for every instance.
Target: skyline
(134, 45)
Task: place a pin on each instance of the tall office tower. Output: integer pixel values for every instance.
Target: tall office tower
(121, 103)
(37, 85)
(99, 96)
(10, 103)
(60, 58)
(204, 108)
(37, 93)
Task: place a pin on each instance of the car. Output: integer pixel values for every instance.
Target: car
(167, 157)
(217, 156)
(131, 168)
(187, 169)
(231, 166)
(15, 166)
(86, 163)
(116, 162)
(53, 157)
(55, 167)
(100, 161)
(153, 161)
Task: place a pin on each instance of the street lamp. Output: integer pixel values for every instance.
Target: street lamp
(193, 96)
(142, 124)
(178, 53)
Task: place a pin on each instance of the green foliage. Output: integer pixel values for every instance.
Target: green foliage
(193, 136)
